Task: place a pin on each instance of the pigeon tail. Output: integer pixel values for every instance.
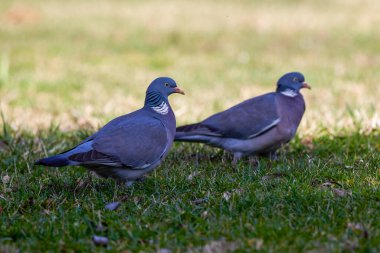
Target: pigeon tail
(188, 133)
(191, 137)
(53, 161)
(187, 128)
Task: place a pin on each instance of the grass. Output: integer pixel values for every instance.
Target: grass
(320, 196)
(68, 67)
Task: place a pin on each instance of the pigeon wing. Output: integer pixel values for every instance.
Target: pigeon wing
(246, 120)
(133, 142)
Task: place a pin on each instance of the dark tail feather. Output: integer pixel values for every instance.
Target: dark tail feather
(188, 128)
(188, 133)
(53, 161)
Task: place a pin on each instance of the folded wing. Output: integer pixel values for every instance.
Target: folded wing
(246, 120)
(134, 142)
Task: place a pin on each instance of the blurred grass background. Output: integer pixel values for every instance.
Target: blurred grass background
(81, 63)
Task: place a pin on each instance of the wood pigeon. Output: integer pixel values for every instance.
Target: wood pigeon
(131, 145)
(257, 126)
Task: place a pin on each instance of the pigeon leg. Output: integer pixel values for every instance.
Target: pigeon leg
(273, 156)
(236, 158)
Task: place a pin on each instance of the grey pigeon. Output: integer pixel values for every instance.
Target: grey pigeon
(131, 145)
(257, 126)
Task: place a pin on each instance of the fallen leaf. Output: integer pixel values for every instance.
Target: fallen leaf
(112, 206)
(221, 246)
(6, 179)
(329, 184)
(226, 195)
(100, 240)
(308, 142)
(342, 192)
(256, 243)
(80, 185)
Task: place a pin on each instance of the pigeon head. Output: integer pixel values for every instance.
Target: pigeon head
(291, 83)
(157, 94)
(164, 86)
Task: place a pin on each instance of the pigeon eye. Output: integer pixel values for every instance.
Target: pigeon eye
(166, 84)
(295, 79)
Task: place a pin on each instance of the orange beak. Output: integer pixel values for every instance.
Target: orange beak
(306, 85)
(178, 90)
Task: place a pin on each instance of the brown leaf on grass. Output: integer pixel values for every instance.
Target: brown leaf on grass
(327, 184)
(308, 142)
(339, 192)
(80, 185)
(342, 192)
(273, 176)
(256, 243)
(6, 179)
(221, 246)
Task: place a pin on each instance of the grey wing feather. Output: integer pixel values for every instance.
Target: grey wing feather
(246, 120)
(135, 142)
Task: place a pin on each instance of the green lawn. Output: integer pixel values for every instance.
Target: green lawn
(67, 67)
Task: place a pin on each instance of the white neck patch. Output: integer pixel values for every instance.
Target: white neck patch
(162, 109)
(289, 93)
